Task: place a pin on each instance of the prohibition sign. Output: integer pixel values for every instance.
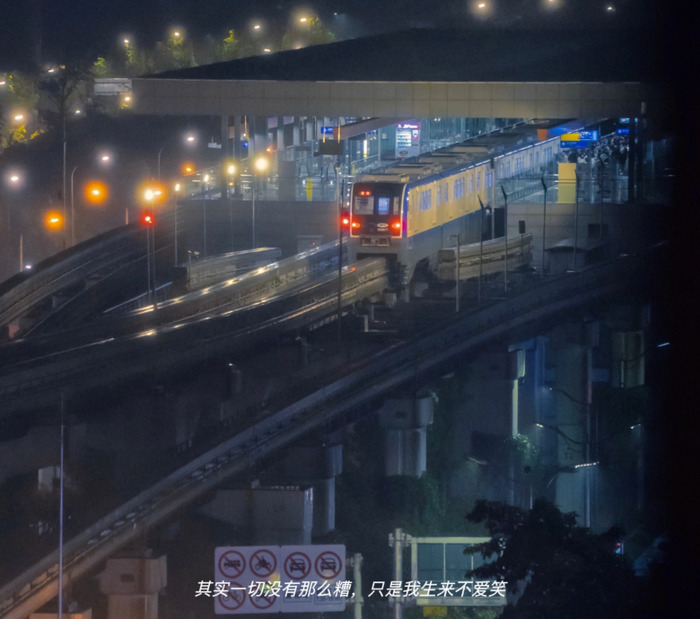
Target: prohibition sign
(262, 602)
(263, 563)
(297, 562)
(328, 565)
(232, 564)
(235, 598)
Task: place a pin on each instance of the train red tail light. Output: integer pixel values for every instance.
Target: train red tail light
(355, 225)
(396, 227)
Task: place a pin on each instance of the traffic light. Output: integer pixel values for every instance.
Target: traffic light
(147, 219)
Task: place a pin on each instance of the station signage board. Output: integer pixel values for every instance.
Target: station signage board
(579, 139)
(407, 139)
(274, 579)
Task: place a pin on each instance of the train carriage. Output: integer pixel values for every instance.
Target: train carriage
(416, 207)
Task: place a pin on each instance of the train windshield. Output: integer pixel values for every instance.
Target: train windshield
(364, 203)
(378, 200)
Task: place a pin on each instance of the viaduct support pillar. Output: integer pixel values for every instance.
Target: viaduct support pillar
(133, 585)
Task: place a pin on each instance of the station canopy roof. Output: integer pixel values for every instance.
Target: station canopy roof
(422, 73)
(478, 55)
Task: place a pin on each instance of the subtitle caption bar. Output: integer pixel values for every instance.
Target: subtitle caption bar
(342, 589)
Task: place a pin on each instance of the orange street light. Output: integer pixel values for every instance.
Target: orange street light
(53, 220)
(96, 192)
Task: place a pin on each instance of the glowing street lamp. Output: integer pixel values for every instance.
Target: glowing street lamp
(152, 195)
(96, 192)
(54, 220)
(260, 166)
(14, 181)
(230, 170)
(190, 139)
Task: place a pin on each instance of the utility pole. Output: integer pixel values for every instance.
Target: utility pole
(505, 240)
(457, 273)
(544, 222)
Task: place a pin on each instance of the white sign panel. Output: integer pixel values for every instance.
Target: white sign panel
(309, 578)
(271, 579)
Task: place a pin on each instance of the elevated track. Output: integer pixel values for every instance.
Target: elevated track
(341, 400)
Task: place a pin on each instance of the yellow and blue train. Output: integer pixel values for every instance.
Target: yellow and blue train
(410, 210)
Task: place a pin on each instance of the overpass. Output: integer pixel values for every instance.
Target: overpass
(343, 399)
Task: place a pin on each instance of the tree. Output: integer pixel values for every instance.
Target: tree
(313, 32)
(64, 89)
(566, 570)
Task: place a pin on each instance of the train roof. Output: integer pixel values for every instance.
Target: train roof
(471, 152)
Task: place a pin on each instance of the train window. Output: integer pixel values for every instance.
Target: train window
(425, 200)
(364, 205)
(471, 184)
(445, 192)
(478, 181)
(458, 190)
(382, 206)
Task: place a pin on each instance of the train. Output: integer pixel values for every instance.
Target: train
(412, 209)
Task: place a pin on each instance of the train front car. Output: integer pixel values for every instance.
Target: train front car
(376, 221)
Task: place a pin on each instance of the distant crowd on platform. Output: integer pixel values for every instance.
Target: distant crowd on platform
(611, 149)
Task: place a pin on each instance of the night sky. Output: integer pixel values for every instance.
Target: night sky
(68, 30)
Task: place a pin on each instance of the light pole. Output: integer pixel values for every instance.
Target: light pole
(339, 196)
(177, 188)
(151, 195)
(230, 173)
(160, 151)
(575, 220)
(260, 165)
(14, 179)
(481, 246)
(544, 221)
(72, 208)
(505, 240)
(60, 514)
(457, 273)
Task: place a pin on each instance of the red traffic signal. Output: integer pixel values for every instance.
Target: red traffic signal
(147, 219)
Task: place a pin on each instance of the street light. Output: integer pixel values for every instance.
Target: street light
(260, 165)
(177, 187)
(339, 197)
(230, 171)
(544, 221)
(152, 195)
(190, 139)
(505, 240)
(481, 246)
(15, 181)
(72, 208)
(459, 247)
(576, 220)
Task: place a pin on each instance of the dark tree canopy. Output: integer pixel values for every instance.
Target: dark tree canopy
(564, 569)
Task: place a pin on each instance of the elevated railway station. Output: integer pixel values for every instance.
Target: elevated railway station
(341, 112)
